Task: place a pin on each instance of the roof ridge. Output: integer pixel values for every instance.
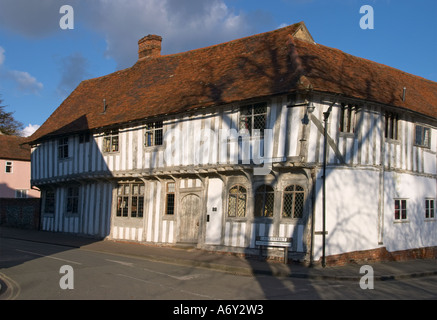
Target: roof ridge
(373, 62)
(261, 34)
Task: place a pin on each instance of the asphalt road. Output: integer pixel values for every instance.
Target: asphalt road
(32, 270)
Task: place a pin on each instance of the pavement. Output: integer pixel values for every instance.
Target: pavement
(248, 266)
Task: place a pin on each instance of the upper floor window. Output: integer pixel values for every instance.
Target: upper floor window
(423, 136)
(237, 202)
(254, 118)
(347, 118)
(63, 148)
(153, 136)
(264, 200)
(8, 167)
(84, 137)
(293, 202)
(391, 125)
(110, 141)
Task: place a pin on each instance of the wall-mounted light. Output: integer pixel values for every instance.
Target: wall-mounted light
(310, 107)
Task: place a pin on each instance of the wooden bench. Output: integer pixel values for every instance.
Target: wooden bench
(282, 242)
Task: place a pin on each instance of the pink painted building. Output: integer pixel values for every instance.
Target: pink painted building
(15, 169)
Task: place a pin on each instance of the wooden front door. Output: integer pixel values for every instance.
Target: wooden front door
(190, 218)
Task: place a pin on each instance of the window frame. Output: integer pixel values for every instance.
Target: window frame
(72, 200)
(391, 130)
(20, 192)
(9, 165)
(348, 119)
(423, 143)
(251, 128)
(63, 148)
(403, 207)
(156, 131)
(168, 196)
(237, 216)
(429, 209)
(47, 204)
(127, 199)
(263, 196)
(111, 136)
(293, 193)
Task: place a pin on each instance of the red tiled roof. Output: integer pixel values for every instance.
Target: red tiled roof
(257, 66)
(12, 148)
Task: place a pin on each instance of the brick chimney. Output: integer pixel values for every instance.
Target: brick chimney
(149, 46)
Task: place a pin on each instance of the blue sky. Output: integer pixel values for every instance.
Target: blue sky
(41, 64)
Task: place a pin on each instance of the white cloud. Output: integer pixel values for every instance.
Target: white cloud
(25, 82)
(184, 25)
(29, 130)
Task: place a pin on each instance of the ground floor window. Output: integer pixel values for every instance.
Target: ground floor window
(264, 201)
(293, 202)
(237, 201)
(130, 200)
(49, 201)
(429, 208)
(72, 200)
(400, 209)
(170, 199)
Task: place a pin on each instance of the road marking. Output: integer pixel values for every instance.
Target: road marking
(12, 290)
(47, 256)
(129, 264)
(183, 278)
(170, 287)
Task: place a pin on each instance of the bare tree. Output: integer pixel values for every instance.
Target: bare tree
(8, 125)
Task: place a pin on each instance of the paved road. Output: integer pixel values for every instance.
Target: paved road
(32, 270)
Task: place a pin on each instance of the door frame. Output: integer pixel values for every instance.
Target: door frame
(182, 195)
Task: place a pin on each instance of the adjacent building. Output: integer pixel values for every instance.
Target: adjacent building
(15, 168)
(216, 146)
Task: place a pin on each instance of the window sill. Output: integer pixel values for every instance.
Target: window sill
(401, 221)
(236, 219)
(347, 134)
(394, 141)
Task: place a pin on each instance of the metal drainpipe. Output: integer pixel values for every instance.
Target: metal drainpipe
(325, 150)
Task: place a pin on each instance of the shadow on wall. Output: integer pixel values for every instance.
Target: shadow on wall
(75, 181)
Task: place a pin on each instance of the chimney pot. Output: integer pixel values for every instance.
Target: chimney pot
(149, 46)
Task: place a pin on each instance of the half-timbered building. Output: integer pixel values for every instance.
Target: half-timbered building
(269, 135)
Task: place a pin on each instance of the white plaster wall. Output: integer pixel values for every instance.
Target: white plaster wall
(351, 211)
(416, 231)
(214, 226)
